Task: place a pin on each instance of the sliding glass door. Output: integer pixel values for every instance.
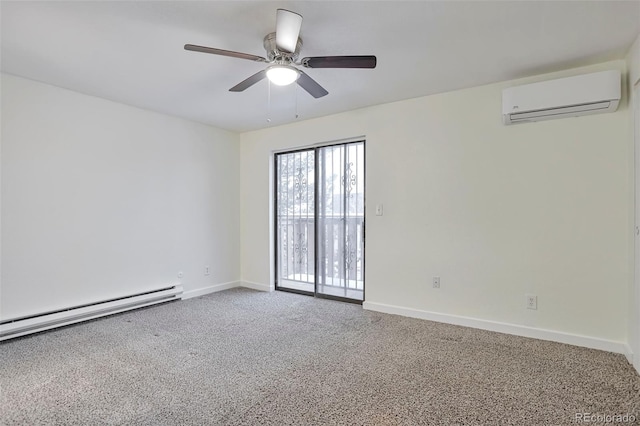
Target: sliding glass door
(319, 205)
(295, 221)
(341, 221)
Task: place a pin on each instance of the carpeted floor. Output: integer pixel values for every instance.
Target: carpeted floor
(242, 357)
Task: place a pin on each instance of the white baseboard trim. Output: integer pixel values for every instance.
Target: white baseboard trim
(256, 286)
(628, 353)
(211, 289)
(500, 327)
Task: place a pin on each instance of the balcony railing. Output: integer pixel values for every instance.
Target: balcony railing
(340, 256)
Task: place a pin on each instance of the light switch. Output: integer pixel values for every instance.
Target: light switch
(379, 210)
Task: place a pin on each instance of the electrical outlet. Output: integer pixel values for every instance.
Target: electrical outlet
(532, 301)
(207, 270)
(436, 282)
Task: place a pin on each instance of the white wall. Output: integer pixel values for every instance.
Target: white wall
(633, 61)
(633, 65)
(102, 200)
(495, 211)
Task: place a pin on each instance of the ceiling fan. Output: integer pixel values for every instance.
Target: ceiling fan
(283, 48)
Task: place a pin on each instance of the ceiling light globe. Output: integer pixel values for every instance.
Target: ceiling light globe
(282, 75)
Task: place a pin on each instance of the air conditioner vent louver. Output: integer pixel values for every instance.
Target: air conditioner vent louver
(566, 97)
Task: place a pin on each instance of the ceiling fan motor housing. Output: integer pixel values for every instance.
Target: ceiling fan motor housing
(278, 56)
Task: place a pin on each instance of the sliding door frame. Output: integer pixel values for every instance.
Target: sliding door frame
(316, 259)
(275, 220)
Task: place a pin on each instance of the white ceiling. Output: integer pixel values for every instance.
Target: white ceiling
(132, 52)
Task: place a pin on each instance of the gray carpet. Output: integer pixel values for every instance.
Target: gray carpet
(242, 357)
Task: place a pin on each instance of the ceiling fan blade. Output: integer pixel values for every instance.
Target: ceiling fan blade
(222, 52)
(311, 86)
(287, 30)
(362, 61)
(243, 85)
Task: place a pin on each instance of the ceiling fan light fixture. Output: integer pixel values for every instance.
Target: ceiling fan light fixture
(282, 75)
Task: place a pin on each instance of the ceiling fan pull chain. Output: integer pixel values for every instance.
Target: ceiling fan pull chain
(296, 101)
(268, 101)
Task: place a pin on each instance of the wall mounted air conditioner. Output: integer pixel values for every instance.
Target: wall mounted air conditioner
(565, 97)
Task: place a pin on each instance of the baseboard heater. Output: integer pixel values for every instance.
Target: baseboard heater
(32, 324)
